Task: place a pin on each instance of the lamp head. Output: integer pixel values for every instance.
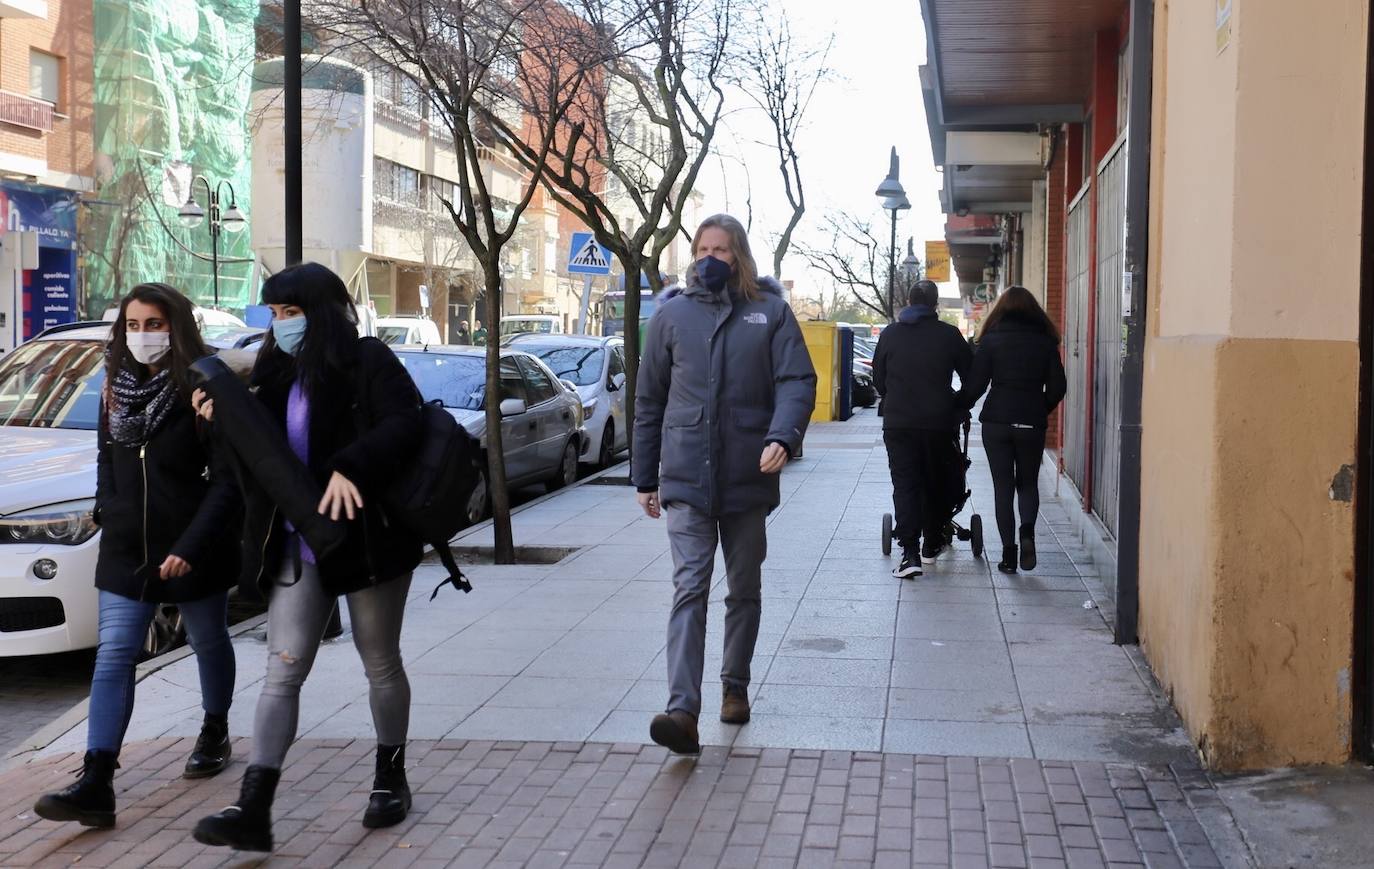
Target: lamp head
(191, 214)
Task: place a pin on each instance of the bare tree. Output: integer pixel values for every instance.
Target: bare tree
(781, 75)
(646, 127)
(856, 261)
(486, 66)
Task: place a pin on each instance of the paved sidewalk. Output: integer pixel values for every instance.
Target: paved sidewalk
(997, 683)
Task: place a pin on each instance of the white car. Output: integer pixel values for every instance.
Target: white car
(538, 324)
(408, 330)
(49, 409)
(596, 369)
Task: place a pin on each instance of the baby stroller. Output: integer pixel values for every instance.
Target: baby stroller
(959, 497)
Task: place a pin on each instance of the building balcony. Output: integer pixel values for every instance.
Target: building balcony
(22, 111)
(24, 9)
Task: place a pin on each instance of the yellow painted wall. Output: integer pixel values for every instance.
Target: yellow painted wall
(1251, 381)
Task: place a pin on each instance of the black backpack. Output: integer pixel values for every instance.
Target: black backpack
(429, 494)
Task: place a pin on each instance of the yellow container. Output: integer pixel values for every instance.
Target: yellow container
(822, 342)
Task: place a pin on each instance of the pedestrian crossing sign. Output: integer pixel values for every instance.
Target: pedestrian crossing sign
(586, 257)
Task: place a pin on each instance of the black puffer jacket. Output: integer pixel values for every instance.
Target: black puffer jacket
(1022, 364)
(174, 496)
(913, 370)
(376, 388)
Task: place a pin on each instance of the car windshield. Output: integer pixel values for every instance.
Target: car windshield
(647, 304)
(53, 384)
(456, 381)
(578, 365)
(393, 334)
(516, 327)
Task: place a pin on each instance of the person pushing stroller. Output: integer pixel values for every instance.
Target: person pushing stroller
(912, 371)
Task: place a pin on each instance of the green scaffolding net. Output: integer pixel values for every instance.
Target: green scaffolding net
(172, 86)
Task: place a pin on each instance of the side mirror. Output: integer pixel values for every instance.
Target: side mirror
(617, 382)
(568, 385)
(512, 407)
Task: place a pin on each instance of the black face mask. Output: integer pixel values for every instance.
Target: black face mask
(713, 274)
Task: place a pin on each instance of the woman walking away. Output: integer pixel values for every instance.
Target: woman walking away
(1018, 354)
(352, 414)
(169, 510)
(726, 389)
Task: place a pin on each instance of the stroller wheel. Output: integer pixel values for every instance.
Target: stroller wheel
(887, 534)
(975, 529)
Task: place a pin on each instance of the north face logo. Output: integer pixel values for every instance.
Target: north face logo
(757, 318)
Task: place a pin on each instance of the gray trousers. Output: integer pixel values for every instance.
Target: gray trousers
(296, 618)
(693, 536)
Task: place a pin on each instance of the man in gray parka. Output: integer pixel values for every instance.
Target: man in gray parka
(726, 388)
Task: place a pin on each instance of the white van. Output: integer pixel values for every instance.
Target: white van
(408, 330)
(539, 324)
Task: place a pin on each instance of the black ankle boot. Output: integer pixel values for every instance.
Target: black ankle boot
(91, 801)
(212, 752)
(390, 800)
(246, 825)
(1027, 548)
(1008, 562)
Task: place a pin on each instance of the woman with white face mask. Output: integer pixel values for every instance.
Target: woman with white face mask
(169, 511)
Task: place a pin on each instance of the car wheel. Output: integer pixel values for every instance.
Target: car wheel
(480, 499)
(566, 474)
(165, 632)
(607, 457)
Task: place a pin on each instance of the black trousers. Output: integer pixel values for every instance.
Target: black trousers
(1014, 456)
(922, 462)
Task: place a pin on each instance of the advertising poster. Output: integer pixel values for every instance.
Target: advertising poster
(50, 291)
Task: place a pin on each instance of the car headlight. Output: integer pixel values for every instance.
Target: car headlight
(589, 408)
(67, 524)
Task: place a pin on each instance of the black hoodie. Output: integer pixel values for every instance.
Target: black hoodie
(913, 370)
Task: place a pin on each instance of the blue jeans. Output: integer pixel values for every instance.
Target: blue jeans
(123, 625)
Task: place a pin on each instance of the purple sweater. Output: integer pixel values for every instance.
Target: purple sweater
(298, 435)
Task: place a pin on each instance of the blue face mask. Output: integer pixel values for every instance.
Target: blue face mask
(289, 334)
(712, 273)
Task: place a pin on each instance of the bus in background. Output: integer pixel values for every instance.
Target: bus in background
(613, 311)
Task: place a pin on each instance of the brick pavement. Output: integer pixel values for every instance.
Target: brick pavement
(541, 804)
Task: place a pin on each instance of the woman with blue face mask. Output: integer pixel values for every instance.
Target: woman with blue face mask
(168, 510)
(726, 389)
(351, 414)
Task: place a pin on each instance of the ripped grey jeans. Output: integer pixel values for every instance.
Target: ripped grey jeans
(296, 619)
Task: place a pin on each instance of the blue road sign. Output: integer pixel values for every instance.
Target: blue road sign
(586, 257)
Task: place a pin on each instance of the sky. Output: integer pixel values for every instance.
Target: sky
(872, 104)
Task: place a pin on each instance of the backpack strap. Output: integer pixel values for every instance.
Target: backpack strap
(455, 576)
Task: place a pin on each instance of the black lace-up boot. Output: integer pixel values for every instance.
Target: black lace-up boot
(90, 801)
(212, 752)
(247, 824)
(390, 799)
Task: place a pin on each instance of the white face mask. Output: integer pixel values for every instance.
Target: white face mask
(149, 347)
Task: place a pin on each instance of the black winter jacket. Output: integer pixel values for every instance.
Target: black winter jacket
(1022, 363)
(173, 496)
(377, 389)
(721, 377)
(913, 370)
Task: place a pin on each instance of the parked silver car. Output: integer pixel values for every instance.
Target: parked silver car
(596, 367)
(541, 417)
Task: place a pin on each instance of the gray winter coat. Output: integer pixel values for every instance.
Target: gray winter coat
(720, 379)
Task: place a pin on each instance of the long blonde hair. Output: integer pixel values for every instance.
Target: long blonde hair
(746, 271)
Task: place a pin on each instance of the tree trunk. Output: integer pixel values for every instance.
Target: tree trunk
(633, 266)
(496, 465)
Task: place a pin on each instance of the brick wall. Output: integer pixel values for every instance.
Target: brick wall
(67, 34)
(1056, 213)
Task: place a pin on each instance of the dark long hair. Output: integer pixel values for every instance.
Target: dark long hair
(331, 326)
(746, 271)
(1017, 305)
(187, 345)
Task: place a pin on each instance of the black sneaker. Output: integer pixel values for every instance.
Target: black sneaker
(931, 549)
(910, 566)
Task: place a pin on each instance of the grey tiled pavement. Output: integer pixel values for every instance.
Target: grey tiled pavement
(964, 718)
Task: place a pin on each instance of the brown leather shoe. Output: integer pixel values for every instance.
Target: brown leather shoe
(734, 705)
(676, 731)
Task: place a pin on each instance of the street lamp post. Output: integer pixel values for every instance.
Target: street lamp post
(229, 220)
(894, 200)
